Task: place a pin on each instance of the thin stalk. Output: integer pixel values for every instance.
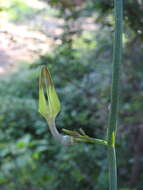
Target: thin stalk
(63, 139)
(113, 115)
(91, 140)
(112, 168)
(83, 137)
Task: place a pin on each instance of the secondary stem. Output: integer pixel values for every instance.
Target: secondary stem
(113, 116)
(63, 139)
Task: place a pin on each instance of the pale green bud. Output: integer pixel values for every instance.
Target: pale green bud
(49, 104)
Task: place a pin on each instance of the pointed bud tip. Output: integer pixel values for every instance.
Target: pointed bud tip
(49, 104)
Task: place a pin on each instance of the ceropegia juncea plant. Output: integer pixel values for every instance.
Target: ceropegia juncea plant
(49, 104)
(49, 107)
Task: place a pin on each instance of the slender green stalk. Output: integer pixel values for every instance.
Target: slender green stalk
(113, 116)
(112, 168)
(91, 140)
(83, 137)
(63, 139)
(116, 69)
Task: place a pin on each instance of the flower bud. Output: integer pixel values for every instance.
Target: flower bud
(49, 104)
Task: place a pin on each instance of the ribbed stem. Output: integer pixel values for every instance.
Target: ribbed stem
(117, 52)
(112, 168)
(113, 116)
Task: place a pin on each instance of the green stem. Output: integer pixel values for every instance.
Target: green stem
(112, 168)
(116, 68)
(78, 137)
(91, 140)
(113, 116)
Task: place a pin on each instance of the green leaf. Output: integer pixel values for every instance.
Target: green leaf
(49, 104)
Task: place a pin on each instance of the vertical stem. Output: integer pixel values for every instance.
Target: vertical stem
(113, 115)
(117, 52)
(112, 168)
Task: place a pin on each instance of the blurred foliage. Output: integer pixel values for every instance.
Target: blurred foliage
(81, 69)
(132, 11)
(19, 10)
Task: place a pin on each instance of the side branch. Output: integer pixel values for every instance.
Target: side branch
(83, 137)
